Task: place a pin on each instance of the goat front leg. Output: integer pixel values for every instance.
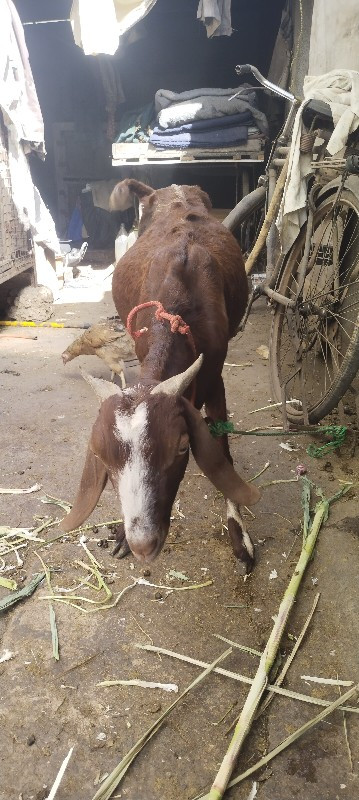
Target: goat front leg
(121, 548)
(241, 542)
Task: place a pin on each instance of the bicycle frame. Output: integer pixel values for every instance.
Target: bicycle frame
(297, 306)
(276, 161)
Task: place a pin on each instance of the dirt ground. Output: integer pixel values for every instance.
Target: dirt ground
(48, 706)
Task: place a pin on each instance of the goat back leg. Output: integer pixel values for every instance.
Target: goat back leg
(241, 541)
(242, 545)
(121, 548)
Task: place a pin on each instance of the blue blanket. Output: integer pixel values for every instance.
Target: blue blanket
(217, 137)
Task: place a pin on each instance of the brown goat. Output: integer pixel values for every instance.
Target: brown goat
(193, 265)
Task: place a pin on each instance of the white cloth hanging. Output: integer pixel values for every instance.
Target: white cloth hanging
(340, 89)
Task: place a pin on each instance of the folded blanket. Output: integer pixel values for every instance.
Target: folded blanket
(217, 137)
(245, 118)
(165, 98)
(178, 109)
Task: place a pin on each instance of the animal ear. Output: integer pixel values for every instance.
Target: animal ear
(124, 193)
(93, 482)
(212, 461)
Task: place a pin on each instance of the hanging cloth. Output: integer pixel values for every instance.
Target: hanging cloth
(18, 98)
(340, 90)
(111, 81)
(216, 16)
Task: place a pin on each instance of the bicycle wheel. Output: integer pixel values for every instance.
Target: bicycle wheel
(314, 348)
(246, 218)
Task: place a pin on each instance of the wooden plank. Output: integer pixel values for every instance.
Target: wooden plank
(251, 158)
(15, 268)
(131, 153)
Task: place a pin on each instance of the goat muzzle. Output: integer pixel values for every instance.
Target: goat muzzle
(147, 550)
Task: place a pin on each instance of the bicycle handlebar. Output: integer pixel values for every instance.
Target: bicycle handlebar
(246, 69)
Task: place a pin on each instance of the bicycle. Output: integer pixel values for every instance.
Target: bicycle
(314, 288)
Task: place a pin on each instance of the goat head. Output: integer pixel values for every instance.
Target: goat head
(141, 441)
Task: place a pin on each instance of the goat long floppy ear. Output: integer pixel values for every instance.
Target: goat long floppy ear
(93, 482)
(212, 461)
(124, 193)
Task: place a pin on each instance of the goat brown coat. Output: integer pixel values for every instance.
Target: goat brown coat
(190, 263)
(194, 266)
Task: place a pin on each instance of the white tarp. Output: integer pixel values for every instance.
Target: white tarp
(18, 98)
(23, 119)
(97, 26)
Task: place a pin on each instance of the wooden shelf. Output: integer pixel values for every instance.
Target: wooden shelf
(132, 154)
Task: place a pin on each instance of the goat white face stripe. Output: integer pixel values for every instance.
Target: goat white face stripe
(134, 483)
(233, 512)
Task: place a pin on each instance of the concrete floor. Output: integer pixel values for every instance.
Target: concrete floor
(47, 413)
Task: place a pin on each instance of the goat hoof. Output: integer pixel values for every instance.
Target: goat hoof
(245, 562)
(122, 549)
(244, 568)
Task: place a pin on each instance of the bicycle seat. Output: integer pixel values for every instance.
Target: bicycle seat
(320, 110)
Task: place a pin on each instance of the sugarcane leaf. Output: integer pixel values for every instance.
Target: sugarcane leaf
(112, 781)
(54, 633)
(288, 741)
(8, 583)
(21, 594)
(306, 484)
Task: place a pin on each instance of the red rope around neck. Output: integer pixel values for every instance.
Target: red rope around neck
(177, 324)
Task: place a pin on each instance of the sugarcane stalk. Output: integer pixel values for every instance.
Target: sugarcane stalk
(269, 654)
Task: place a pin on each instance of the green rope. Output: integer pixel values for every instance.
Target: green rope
(337, 432)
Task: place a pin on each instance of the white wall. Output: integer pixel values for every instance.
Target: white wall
(302, 27)
(334, 40)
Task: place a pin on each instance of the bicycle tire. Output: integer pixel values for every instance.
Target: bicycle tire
(244, 221)
(250, 203)
(325, 326)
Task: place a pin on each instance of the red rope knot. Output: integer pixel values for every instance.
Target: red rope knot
(177, 324)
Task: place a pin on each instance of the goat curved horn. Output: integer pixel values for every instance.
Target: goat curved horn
(179, 383)
(103, 389)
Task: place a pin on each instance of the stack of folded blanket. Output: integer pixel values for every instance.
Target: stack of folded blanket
(207, 118)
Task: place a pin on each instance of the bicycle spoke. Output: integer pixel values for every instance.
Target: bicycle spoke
(330, 291)
(352, 305)
(332, 345)
(322, 331)
(340, 316)
(350, 243)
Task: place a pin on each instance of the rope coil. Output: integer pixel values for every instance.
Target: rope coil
(177, 324)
